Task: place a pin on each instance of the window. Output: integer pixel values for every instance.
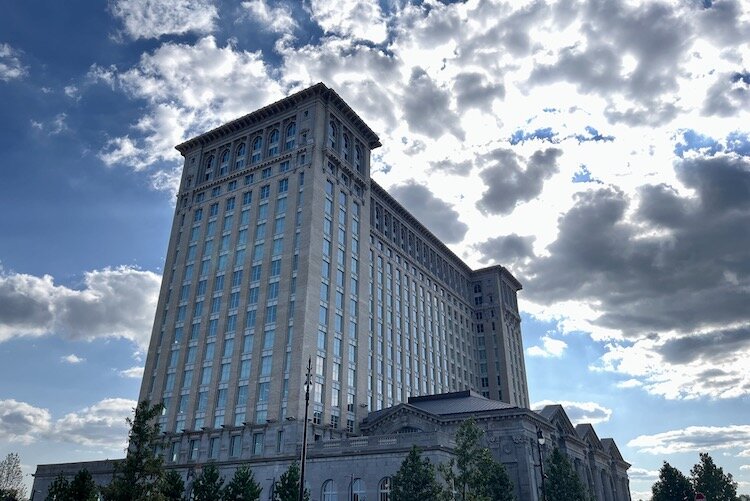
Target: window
(358, 159)
(329, 491)
(273, 143)
(257, 147)
(257, 444)
(224, 166)
(331, 134)
(235, 446)
(358, 490)
(265, 191)
(384, 489)
(346, 147)
(283, 185)
(239, 162)
(213, 448)
(291, 134)
(209, 168)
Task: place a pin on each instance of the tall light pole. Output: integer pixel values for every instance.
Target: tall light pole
(539, 444)
(301, 496)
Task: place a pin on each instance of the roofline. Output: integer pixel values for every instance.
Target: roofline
(317, 90)
(504, 271)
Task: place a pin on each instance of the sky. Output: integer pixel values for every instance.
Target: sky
(598, 149)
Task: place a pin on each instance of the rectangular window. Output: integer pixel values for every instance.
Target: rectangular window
(257, 444)
(241, 395)
(245, 367)
(247, 198)
(235, 446)
(213, 448)
(221, 398)
(265, 365)
(275, 267)
(283, 185)
(265, 191)
(263, 390)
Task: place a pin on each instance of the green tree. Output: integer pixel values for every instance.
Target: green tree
(476, 476)
(83, 487)
(11, 477)
(672, 485)
(59, 490)
(711, 480)
(207, 485)
(562, 483)
(415, 480)
(172, 487)
(287, 488)
(242, 487)
(138, 476)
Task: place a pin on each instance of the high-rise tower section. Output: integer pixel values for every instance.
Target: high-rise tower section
(283, 248)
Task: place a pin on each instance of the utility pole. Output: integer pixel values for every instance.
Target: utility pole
(304, 432)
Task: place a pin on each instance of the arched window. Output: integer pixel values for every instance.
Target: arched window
(346, 147)
(239, 162)
(224, 166)
(384, 490)
(358, 159)
(358, 490)
(273, 143)
(257, 147)
(332, 135)
(209, 168)
(291, 136)
(329, 491)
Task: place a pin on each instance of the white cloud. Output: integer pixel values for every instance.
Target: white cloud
(580, 412)
(101, 425)
(72, 91)
(275, 19)
(21, 422)
(114, 302)
(154, 18)
(52, 127)
(133, 372)
(635, 473)
(694, 439)
(10, 64)
(361, 19)
(550, 348)
(630, 383)
(72, 359)
(745, 467)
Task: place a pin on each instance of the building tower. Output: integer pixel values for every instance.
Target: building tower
(283, 248)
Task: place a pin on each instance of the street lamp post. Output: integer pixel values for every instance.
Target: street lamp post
(539, 444)
(301, 496)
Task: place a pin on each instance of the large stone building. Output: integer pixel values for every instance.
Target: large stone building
(283, 249)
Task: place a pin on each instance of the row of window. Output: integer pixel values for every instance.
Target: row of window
(215, 168)
(356, 490)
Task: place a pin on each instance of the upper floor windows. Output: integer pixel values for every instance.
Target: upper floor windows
(346, 147)
(257, 150)
(332, 134)
(358, 159)
(273, 143)
(209, 168)
(224, 166)
(239, 162)
(291, 135)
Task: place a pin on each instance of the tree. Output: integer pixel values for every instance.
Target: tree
(59, 490)
(138, 476)
(11, 477)
(83, 487)
(242, 487)
(672, 485)
(415, 479)
(172, 487)
(711, 480)
(207, 485)
(477, 476)
(563, 483)
(287, 488)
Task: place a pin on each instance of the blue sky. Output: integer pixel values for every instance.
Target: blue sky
(598, 149)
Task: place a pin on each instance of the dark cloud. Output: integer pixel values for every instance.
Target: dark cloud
(728, 94)
(438, 216)
(448, 166)
(655, 34)
(509, 184)
(473, 90)
(691, 273)
(506, 249)
(427, 108)
(711, 346)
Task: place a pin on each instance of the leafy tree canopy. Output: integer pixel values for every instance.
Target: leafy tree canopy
(172, 487)
(671, 485)
(242, 487)
(711, 480)
(562, 483)
(83, 488)
(415, 480)
(287, 488)
(207, 485)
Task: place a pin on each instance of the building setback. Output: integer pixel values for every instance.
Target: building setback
(283, 249)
